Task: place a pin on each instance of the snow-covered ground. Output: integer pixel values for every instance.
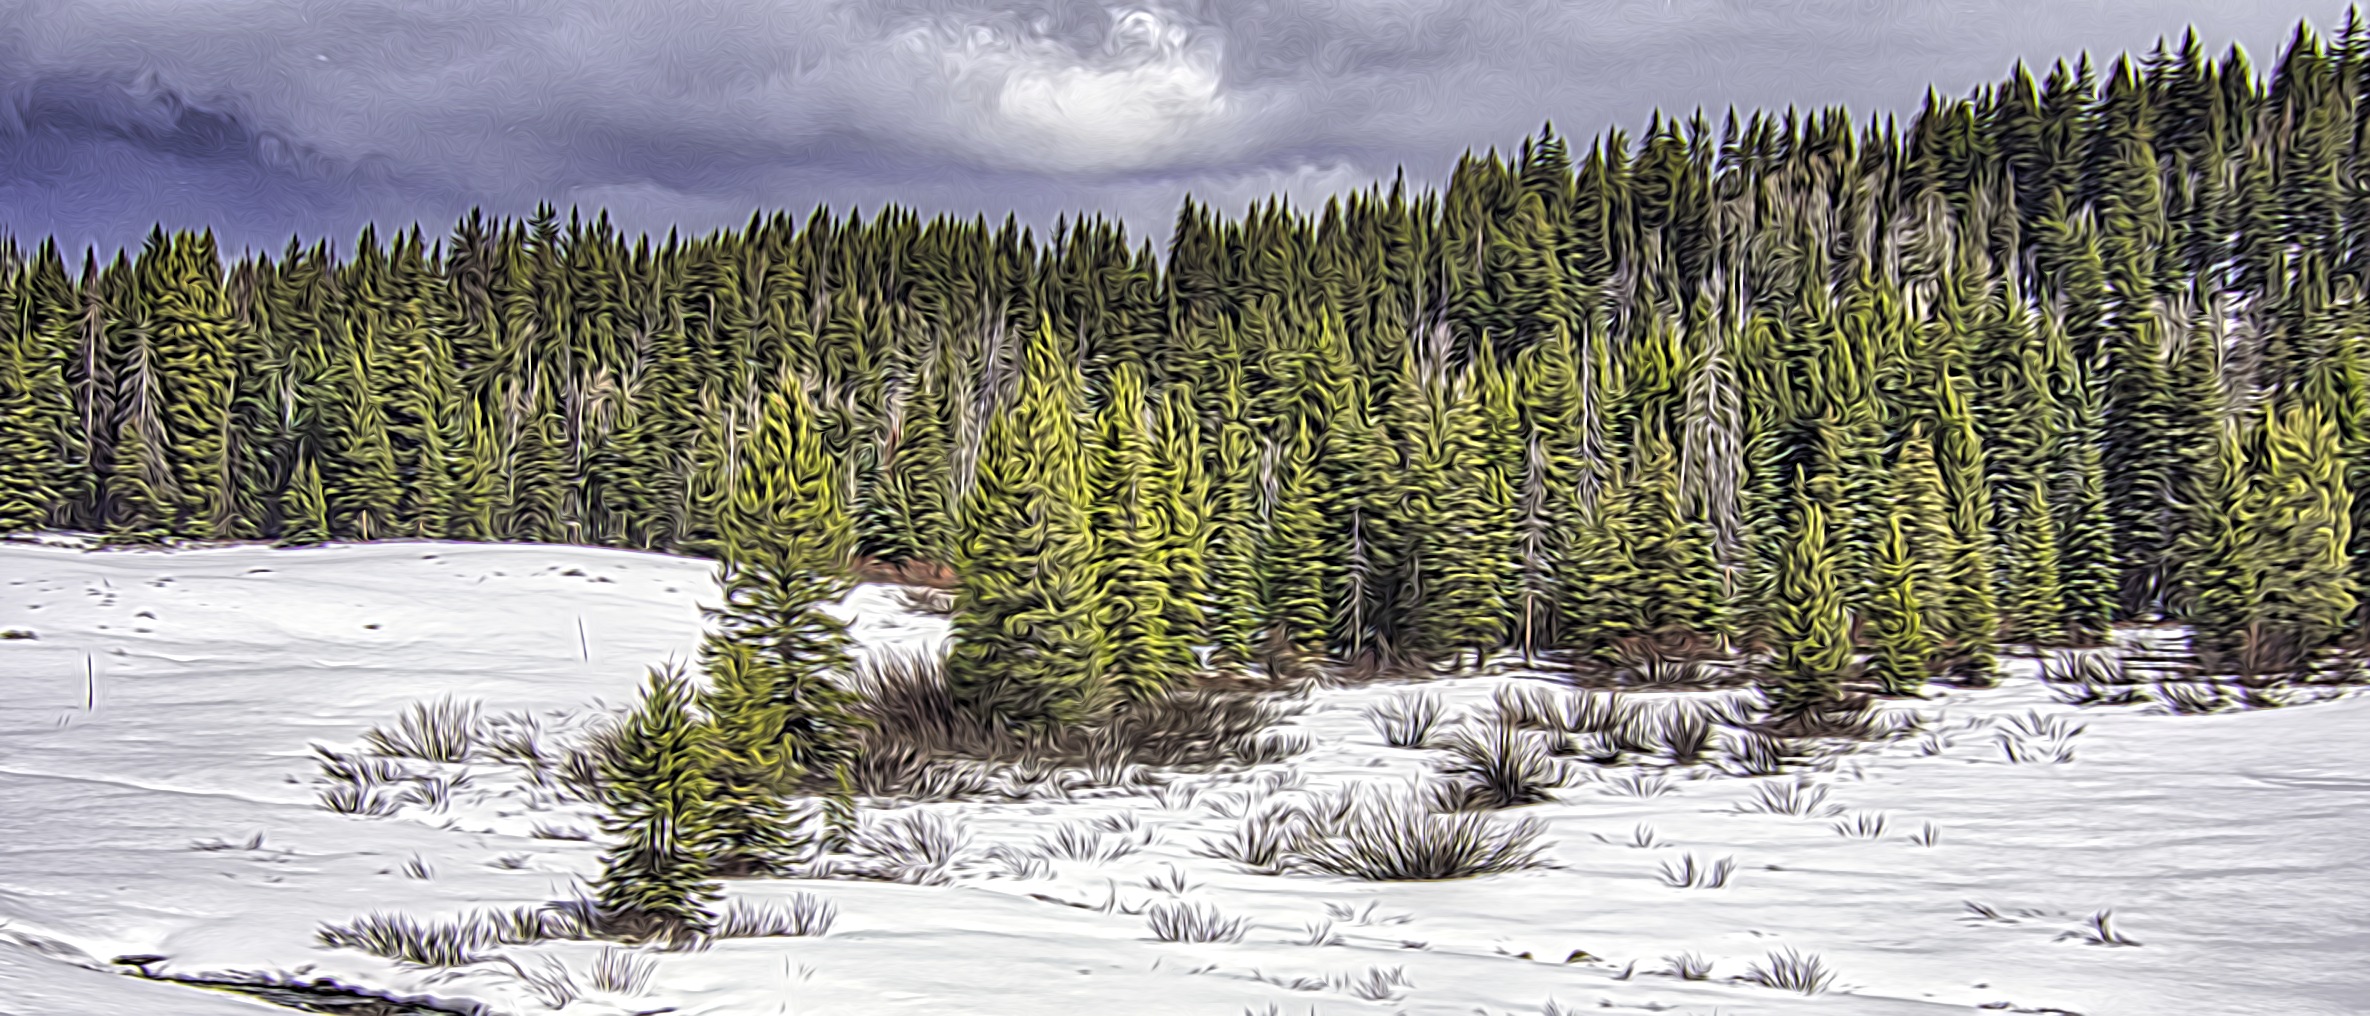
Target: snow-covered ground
(157, 797)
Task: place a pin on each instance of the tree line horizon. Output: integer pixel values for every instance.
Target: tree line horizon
(1838, 402)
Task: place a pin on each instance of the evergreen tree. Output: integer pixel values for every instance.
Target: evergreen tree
(780, 717)
(655, 881)
(1131, 501)
(36, 403)
(2036, 599)
(1029, 649)
(1814, 654)
(1903, 659)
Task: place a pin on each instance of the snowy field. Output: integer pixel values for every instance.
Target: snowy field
(158, 797)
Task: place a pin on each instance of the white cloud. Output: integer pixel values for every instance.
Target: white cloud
(1152, 92)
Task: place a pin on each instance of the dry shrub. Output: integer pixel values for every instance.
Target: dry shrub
(922, 744)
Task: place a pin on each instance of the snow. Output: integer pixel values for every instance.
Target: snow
(170, 699)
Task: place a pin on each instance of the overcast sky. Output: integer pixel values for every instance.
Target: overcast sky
(270, 118)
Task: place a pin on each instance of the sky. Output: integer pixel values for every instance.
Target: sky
(267, 119)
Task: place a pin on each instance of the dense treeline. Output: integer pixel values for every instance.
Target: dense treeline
(1845, 400)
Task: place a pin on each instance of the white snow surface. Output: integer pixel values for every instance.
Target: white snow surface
(169, 700)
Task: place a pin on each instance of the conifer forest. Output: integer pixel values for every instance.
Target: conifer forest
(1834, 406)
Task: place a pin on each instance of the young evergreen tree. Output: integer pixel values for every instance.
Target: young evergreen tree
(1903, 657)
(780, 718)
(655, 881)
(2036, 599)
(1131, 504)
(1814, 653)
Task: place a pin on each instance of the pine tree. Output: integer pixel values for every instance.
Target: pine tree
(1177, 491)
(1029, 650)
(1814, 654)
(1293, 559)
(1903, 659)
(2036, 599)
(655, 881)
(780, 717)
(36, 404)
(2086, 546)
(1971, 649)
(1131, 502)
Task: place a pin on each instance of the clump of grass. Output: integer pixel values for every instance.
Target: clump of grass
(441, 731)
(1800, 800)
(1171, 881)
(1194, 922)
(1684, 733)
(917, 849)
(1263, 842)
(456, 943)
(370, 802)
(1863, 826)
(1688, 967)
(434, 793)
(1377, 984)
(1406, 721)
(2099, 930)
(623, 971)
(1791, 971)
(1394, 838)
(1751, 753)
(1639, 785)
(1017, 864)
(1643, 837)
(1078, 841)
(806, 916)
(1497, 766)
(1686, 874)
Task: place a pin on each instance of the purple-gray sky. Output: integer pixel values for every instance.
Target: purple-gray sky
(267, 118)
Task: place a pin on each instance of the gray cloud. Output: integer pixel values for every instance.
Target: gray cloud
(265, 119)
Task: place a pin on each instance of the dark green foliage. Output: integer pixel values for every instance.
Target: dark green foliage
(779, 718)
(1028, 647)
(1903, 654)
(656, 881)
(1814, 652)
(2037, 355)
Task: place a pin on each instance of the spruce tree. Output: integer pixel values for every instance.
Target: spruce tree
(1903, 657)
(1971, 652)
(1132, 505)
(780, 717)
(2036, 599)
(1814, 651)
(655, 880)
(1029, 647)
(36, 405)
